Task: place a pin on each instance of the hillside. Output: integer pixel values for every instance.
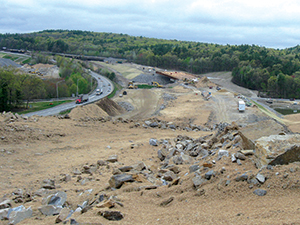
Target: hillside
(158, 163)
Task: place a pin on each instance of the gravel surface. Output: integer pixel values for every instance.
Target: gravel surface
(8, 62)
(148, 78)
(126, 105)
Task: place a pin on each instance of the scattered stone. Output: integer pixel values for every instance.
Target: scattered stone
(153, 142)
(261, 178)
(209, 174)
(198, 181)
(49, 184)
(260, 192)
(233, 158)
(247, 152)
(18, 214)
(238, 161)
(112, 215)
(50, 210)
(116, 181)
(106, 204)
(3, 213)
(169, 176)
(241, 178)
(194, 168)
(112, 159)
(125, 168)
(240, 156)
(64, 213)
(5, 204)
(222, 153)
(166, 202)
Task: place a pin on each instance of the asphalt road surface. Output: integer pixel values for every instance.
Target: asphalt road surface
(103, 83)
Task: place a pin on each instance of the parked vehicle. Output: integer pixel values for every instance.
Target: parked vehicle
(82, 98)
(242, 106)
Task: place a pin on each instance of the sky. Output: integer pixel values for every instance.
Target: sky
(273, 24)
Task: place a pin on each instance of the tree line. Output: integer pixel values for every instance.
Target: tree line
(273, 72)
(17, 87)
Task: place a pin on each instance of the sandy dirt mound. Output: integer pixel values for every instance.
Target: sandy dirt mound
(90, 110)
(293, 122)
(110, 107)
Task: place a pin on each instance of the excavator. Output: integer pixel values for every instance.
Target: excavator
(156, 84)
(131, 85)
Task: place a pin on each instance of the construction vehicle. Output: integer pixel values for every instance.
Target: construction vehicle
(131, 85)
(242, 106)
(82, 98)
(156, 84)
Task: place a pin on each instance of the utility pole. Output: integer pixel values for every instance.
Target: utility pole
(57, 88)
(77, 88)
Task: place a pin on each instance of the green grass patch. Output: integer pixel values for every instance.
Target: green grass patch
(65, 112)
(37, 106)
(144, 86)
(26, 61)
(10, 57)
(117, 87)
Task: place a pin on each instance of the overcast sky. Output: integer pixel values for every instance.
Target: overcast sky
(274, 24)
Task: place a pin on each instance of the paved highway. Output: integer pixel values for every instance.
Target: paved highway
(103, 83)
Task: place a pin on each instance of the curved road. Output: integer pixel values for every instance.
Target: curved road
(103, 83)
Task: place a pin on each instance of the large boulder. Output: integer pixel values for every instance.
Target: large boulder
(277, 150)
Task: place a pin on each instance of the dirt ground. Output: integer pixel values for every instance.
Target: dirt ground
(49, 148)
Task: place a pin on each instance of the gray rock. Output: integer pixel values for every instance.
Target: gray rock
(222, 153)
(209, 174)
(160, 155)
(18, 214)
(49, 184)
(140, 166)
(194, 168)
(154, 124)
(64, 213)
(57, 199)
(169, 176)
(227, 182)
(5, 204)
(261, 178)
(125, 168)
(112, 159)
(238, 161)
(198, 180)
(50, 210)
(147, 122)
(112, 215)
(116, 181)
(233, 158)
(240, 156)
(153, 142)
(242, 177)
(178, 160)
(3, 213)
(260, 192)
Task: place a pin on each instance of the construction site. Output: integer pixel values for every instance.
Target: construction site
(182, 154)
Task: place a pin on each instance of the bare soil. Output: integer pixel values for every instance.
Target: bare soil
(49, 148)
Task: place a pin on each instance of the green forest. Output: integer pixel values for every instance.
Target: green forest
(273, 72)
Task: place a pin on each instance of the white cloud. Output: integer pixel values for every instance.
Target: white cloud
(261, 22)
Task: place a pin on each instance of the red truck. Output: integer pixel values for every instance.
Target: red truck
(82, 98)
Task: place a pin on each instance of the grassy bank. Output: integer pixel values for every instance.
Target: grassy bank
(37, 106)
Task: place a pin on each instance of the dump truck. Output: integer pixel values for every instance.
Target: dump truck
(82, 98)
(242, 106)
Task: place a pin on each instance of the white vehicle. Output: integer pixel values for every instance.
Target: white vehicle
(99, 91)
(242, 106)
